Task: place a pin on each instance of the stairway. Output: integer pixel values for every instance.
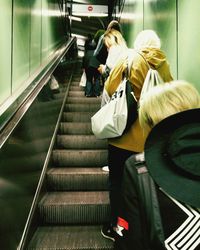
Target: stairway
(77, 203)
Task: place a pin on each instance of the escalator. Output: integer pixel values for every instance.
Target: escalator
(76, 204)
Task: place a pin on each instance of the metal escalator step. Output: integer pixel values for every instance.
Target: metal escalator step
(76, 88)
(87, 237)
(80, 158)
(77, 116)
(75, 128)
(76, 93)
(90, 107)
(83, 100)
(80, 142)
(75, 207)
(77, 179)
(75, 80)
(59, 95)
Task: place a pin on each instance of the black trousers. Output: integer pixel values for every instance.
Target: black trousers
(116, 160)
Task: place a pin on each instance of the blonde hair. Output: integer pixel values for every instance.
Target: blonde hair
(113, 37)
(114, 24)
(167, 99)
(147, 39)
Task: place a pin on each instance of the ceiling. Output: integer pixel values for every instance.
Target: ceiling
(90, 24)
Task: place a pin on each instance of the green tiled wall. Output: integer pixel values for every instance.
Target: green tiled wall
(30, 32)
(21, 43)
(189, 41)
(5, 48)
(176, 22)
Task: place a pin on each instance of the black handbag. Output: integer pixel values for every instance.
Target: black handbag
(132, 106)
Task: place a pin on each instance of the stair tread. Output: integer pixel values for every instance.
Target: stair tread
(85, 237)
(85, 179)
(74, 197)
(71, 171)
(77, 136)
(80, 142)
(77, 200)
(78, 151)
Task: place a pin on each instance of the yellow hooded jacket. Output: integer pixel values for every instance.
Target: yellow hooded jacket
(134, 139)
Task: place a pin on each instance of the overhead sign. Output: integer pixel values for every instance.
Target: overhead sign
(90, 8)
(85, 9)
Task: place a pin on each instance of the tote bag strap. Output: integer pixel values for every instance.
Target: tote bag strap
(155, 74)
(151, 217)
(152, 78)
(130, 59)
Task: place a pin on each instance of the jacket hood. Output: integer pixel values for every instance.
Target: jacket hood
(155, 57)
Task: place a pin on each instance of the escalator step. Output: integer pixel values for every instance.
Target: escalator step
(87, 237)
(76, 93)
(76, 88)
(90, 107)
(77, 179)
(77, 116)
(75, 207)
(83, 100)
(80, 158)
(72, 128)
(80, 141)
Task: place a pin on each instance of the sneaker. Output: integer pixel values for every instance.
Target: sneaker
(105, 168)
(108, 232)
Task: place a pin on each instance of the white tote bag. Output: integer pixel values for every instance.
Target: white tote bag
(152, 79)
(83, 80)
(110, 120)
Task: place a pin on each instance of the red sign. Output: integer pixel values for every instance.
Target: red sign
(90, 8)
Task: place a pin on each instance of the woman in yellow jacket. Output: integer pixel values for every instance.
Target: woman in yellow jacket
(146, 53)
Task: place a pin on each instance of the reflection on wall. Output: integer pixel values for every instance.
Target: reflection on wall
(161, 17)
(132, 20)
(22, 158)
(175, 21)
(31, 31)
(189, 41)
(5, 49)
(157, 15)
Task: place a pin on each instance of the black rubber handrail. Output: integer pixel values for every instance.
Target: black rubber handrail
(23, 242)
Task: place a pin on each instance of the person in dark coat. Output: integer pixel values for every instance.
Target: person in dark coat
(99, 57)
(89, 51)
(90, 64)
(146, 53)
(160, 202)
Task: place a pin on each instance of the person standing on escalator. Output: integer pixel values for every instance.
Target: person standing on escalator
(146, 53)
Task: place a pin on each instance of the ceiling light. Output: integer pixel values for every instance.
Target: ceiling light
(75, 18)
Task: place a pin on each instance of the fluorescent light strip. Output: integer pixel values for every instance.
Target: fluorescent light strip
(75, 18)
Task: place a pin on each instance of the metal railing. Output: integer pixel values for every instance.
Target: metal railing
(17, 110)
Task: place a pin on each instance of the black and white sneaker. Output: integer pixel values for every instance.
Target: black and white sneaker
(108, 232)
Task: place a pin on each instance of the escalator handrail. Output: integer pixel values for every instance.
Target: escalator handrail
(29, 95)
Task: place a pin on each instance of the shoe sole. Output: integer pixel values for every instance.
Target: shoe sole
(105, 168)
(107, 237)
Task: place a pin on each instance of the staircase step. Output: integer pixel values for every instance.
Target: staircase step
(76, 88)
(75, 81)
(59, 95)
(80, 158)
(76, 93)
(83, 100)
(86, 237)
(80, 141)
(75, 207)
(90, 107)
(77, 116)
(75, 203)
(77, 179)
(83, 128)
